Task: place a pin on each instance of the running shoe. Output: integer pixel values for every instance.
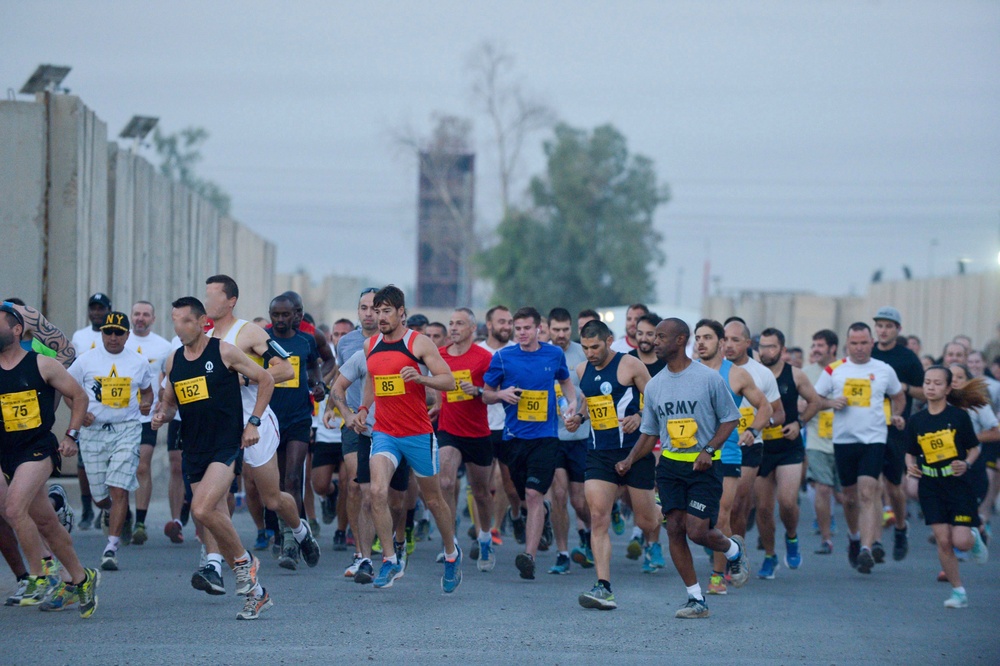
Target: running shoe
(400, 549)
(440, 557)
(518, 525)
(411, 541)
(329, 510)
(561, 566)
(22, 587)
(246, 574)
(423, 529)
(57, 494)
(310, 550)
(207, 579)
(793, 557)
(376, 547)
(350, 538)
(452, 577)
(314, 526)
(51, 569)
(957, 600)
(768, 567)
(34, 593)
(254, 606)
(87, 592)
(175, 532)
(487, 560)
(599, 598)
(888, 518)
(980, 553)
(139, 535)
(866, 561)
(262, 542)
(339, 540)
(525, 565)
(739, 569)
(548, 536)
(634, 548)
(878, 552)
(900, 544)
(853, 551)
(472, 532)
(694, 609)
(289, 558)
(617, 522)
(582, 556)
(388, 574)
(276, 543)
(365, 573)
(474, 550)
(717, 584)
(109, 561)
(495, 535)
(647, 565)
(60, 598)
(350, 571)
(825, 548)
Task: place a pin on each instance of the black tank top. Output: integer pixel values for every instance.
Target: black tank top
(28, 405)
(209, 400)
(789, 396)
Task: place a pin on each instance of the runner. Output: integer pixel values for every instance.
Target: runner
(708, 336)
(987, 429)
(523, 378)
(438, 333)
(611, 383)
(629, 342)
(941, 446)
(584, 316)
(403, 429)
(155, 350)
(112, 376)
(692, 412)
(855, 388)
(203, 383)
(464, 431)
(782, 463)
(29, 453)
(571, 460)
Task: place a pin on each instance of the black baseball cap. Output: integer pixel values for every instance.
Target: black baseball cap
(117, 320)
(100, 298)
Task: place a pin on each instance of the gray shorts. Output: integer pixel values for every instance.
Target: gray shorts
(110, 454)
(822, 468)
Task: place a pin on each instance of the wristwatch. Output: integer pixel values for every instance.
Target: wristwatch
(74, 435)
(753, 432)
(254, 421)
(709, 450)
(480, 389)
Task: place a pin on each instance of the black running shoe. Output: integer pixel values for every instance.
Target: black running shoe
(878, 552)
(207, 579)
(366, 572)
(853, 550)
(310, 550)
(866, 562)
(526, 565)
(901, 544)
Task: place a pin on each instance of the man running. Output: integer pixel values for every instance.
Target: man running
(780, 472)
(203, 383)
(523, 377)
(629, 342)
(855, 389)
(611, 383)
(821, 468)
(689, 408)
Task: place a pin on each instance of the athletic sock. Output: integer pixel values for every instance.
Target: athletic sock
(452, 556)
(564, 552)
(959, 590)
(214, 560)
(637, 532)
(257, 591)
(854, 537)
(734, 550)
(140, 515)
(113, 542)
(484, 536)
(301, 532)
(694, 591)
(391, 559)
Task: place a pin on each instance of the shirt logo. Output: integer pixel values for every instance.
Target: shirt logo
(209, 366)
(605, 388)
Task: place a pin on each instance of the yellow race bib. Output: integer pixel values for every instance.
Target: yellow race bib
(824, 428)
(533, 406)
(746, 419)
(603, 415)
(294, 381)
(386, 385)
(772, 433)
(938, 446)
(858, 392)
(20, 411)
(191, 390)
(458, 395)
(887, 408)
(115, 391)
(682, 433)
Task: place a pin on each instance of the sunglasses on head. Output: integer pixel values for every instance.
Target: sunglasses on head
(116, 332)
(9, 308)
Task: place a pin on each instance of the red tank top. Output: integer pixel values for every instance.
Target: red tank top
(400, 407)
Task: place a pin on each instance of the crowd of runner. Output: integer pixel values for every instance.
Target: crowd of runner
(386, 420)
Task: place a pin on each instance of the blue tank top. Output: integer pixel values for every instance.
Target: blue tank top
(604, 393)
(731, 453)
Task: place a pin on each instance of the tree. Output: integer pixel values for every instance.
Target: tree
(180, 152)
(589, 241)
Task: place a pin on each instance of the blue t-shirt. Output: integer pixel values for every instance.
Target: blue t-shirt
(536, 415)
(290, 402)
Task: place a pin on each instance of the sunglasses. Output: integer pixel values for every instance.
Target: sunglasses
(116, 332)
(9, 308)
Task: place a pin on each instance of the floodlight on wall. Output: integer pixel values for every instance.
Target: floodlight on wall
(137, 129)
(46, 77)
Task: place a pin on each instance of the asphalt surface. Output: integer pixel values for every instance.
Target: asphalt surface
(823, 612)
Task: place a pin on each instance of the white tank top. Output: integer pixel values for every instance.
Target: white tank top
(248, 393)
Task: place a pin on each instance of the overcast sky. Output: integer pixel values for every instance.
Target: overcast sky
(806, 143)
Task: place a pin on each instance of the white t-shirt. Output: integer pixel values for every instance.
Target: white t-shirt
(813, 440)
(86, 339)
(155, 349)
(355, 370)
(112, 382)
(495, 413)
(866, 387)
(621, 345)
(983, 418)
(764, 379)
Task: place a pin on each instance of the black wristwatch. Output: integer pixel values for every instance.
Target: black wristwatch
(254, 421)
(709, 450)
(754, 433)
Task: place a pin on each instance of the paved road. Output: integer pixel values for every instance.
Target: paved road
(823, 613)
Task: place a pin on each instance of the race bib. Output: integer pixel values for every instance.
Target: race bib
(858, 392)
(20, 411)
(115, 391)
(682, 433)
(533, 406)
(887, 408)
(603, 415)
(386, 385)
(746, 419)
(294, 381)
(772, 433)
(824, 428)
(938, 446)
(559, 392)
(191, 390)
(458, 395)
